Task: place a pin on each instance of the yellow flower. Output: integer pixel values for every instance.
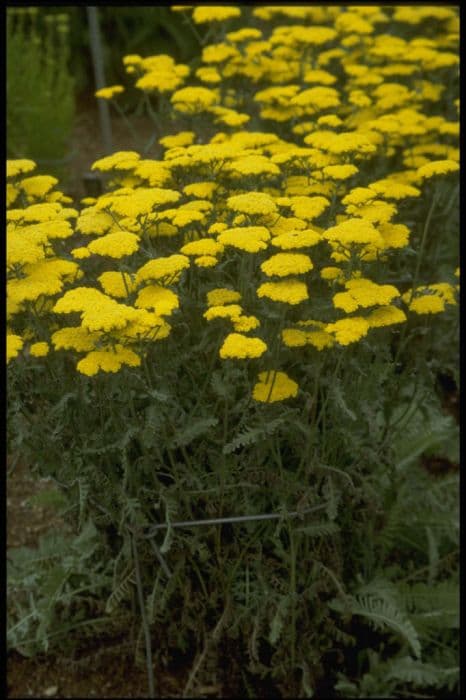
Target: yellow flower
(437, 167)
(354, 231)
(110, 360)
(394, 235)
(287, 291)
(241, 346)
(363, 293)
(253, 165)
(332, 273)
(183, 138)
(232, 311)
(190, 100)
(348, 330)
(296, 239)
(208, 74)
(14, 343)
(206, 261)
(244, 35)
(162, 268)
(38, 185)
(22, 248)
(162, 300)
(217, 228)
(385, 316)
(211, 13)
(116, 284)
(115, 245)
(308, 207)
(359, 195)
(19, 166)
(329, 120)
(107, 93)
(243, 324)
(204, 190)
(221, 295)
(248, 238)
(121, 160)
(203, 246)
(274, 386)
(427, 304)
(78, 299)
(75, 338)
(283, 264)
(39, 349)
(321, 77)
(92, 221)
(80, 253)
(316, 98)
(394, 190)
(252, 203)
(339, 172)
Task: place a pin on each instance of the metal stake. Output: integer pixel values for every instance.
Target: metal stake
(98, 63)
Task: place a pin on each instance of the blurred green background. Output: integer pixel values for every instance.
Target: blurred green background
(50, 74)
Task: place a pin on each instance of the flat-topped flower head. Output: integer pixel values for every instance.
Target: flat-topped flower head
(232, 311)
(437, 167)
(117, 284)
(254, 203)
(40, 349)
(354, 231)
(348, 330)
(108, 360)
(203, 246)
(158, 298)
(385, 316)
(364, 293)
(284, 264)
(288, 291)
(121, 160)
(274, 386)
(251, 239)
(19, 166)
(217, 13)
(238, 346)
(115, 245)
(222, 295)
(293, 240)
(38, 185)
(243, 324)
(162, 268)
(14, 343)
(107, 93)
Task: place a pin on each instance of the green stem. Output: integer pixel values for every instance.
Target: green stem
(128, 124)
(416, 272)
(293, 597)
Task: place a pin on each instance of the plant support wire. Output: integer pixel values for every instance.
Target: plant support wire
(233, 519)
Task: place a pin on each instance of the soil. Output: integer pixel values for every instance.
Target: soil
(87, 144)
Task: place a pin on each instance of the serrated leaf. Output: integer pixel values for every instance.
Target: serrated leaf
(194, 430)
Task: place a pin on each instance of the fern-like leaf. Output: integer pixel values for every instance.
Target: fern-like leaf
(251, 435)
(192, 431)
(121, 592)
(382, 614)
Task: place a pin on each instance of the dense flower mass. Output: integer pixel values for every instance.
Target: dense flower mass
(281, 188)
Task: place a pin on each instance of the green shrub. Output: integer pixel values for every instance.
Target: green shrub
(40, 87)
(245, 329)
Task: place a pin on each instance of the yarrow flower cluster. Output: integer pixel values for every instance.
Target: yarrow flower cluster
(286, 206)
